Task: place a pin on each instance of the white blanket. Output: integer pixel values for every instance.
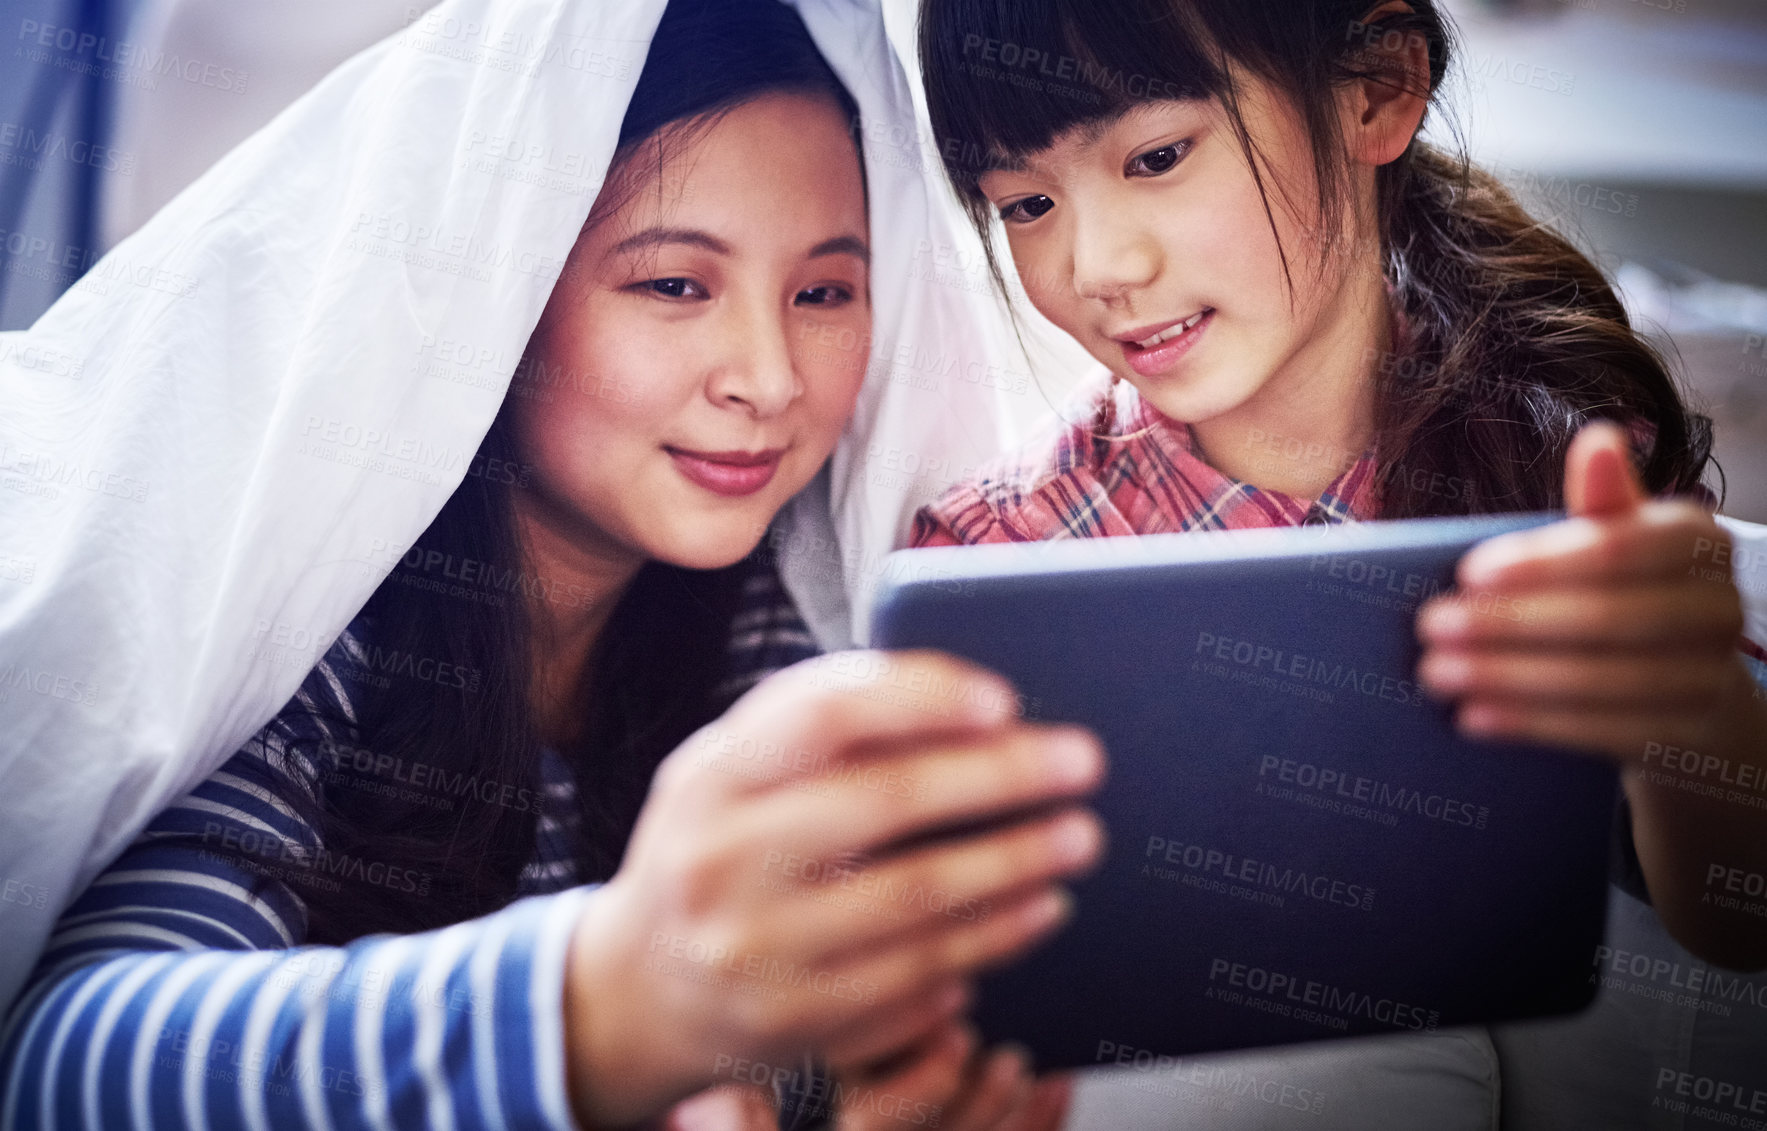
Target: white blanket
(215, 446)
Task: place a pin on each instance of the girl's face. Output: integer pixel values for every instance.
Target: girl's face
(679, 389)
(1147, 240)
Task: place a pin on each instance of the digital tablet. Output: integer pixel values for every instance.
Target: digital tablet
(1299, 845)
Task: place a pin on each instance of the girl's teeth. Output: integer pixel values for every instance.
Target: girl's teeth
(1168, 334)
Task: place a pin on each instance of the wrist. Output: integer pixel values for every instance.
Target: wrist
(612, 1080)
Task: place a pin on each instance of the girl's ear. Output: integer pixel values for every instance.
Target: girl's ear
(1383, 108)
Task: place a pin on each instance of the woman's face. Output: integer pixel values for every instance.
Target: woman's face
(679, 389)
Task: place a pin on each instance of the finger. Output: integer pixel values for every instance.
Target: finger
(911, 1023)
(871, 696)
(1600, 480)
(848, 907)
(996, 1086)
(808, 721)
(1578, 679)
(1047, 1107)
(729, 1107)
(1625, 736)
(923, 788)
(1623, 615)
(930, 1075)
(908, 966)
(1659, 541)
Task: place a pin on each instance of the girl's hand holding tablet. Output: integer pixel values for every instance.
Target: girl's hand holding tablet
(948, 1081)
(749, 915)
(1616, 632)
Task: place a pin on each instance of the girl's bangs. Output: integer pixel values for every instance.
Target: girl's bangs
(1005, 79)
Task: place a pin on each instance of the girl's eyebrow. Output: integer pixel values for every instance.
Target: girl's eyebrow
(1086, 133)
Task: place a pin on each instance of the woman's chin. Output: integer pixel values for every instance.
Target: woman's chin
(706, 550)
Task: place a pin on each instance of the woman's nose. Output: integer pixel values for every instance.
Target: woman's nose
(756, 371)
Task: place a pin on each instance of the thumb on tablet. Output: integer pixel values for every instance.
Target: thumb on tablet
(1600, 481)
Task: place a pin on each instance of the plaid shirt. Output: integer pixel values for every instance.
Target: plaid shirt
(1125, 469)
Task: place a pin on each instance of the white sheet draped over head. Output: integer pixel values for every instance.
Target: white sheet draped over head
(215, 446)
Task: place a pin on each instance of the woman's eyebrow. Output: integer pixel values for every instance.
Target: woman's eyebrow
(843, 245)
(657, 237)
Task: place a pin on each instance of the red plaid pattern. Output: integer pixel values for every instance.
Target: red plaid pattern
(1123, 468)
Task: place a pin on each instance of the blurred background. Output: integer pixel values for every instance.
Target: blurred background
(1639, 127)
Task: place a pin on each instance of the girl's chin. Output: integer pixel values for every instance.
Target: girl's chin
(1190, 404)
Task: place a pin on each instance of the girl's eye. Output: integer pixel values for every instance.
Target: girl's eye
(672, 288)
(1026, 210)
(825, 294)
(1157, 161)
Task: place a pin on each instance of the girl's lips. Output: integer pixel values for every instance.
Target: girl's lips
(1155, 360)
(732, 474)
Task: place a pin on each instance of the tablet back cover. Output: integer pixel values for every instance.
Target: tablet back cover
(1299, 846)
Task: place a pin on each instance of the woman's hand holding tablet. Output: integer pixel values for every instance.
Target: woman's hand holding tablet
(756, 910)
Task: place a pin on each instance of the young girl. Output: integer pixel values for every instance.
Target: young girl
(1312, 316)
(376, 913)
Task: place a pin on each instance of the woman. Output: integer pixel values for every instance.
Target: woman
(486, 730)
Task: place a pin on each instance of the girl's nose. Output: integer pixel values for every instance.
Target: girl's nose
(1113, 255)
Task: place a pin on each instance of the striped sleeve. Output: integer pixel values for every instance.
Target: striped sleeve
(175, 992)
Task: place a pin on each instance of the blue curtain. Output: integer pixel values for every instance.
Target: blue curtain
(58, 87)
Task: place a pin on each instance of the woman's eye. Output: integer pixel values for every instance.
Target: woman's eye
(673, 288)
(1157, 161)
(1026, 210)
(827, 294)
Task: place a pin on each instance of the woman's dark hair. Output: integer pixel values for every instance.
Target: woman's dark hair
(430, 798)
(1514, 338)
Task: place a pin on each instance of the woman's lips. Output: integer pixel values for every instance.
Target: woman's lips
(1151, 361)
(732, 474)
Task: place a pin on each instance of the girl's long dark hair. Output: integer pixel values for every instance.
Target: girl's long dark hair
(1514, 338)
(429, 799)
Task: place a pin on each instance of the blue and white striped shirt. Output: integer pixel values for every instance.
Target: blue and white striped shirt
(177, 992)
